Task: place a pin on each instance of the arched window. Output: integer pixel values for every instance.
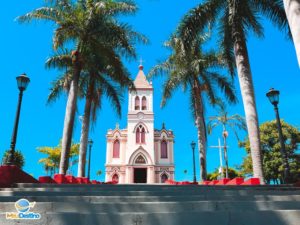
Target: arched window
(164, 150)
(137, 103)
(140, 135)
(143, 141)
(115, 178)
(140, 160)
(116, 149)
(163, 178)
(144, 103)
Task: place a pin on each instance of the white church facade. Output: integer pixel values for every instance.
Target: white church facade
(140, 153)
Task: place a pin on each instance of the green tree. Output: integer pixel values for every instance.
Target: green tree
(234, 20)
(19, 159)
(92, 25)
(51, 162)
(273, 165)
(99, 173)
(196, 71)
(232, 173)
(224, 120)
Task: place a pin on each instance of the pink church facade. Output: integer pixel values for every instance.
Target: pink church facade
(140, 153)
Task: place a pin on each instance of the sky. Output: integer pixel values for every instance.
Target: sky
(25, 48)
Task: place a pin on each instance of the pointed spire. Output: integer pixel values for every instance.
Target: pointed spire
(141, 80)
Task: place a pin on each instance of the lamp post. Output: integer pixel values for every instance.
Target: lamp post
(225, 135)
(90, 151)
(22, 82)
(193, 145)
(273, 96)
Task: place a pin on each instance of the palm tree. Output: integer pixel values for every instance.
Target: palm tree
(97, 81)
(292, 8)
(197, 72)
(234, 20)
(225, 120)
(105, 79)
(97, 87)
(84, 23)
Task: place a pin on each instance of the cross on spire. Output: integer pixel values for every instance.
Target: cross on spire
(141, 61)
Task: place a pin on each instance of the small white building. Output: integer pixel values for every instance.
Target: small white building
(140, 153)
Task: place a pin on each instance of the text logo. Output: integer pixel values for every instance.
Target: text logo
(23, 207)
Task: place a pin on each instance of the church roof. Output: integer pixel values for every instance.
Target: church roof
(141, 80)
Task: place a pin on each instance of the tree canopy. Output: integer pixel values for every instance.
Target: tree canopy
(51, 162)
(232, 173)
(19, 159)
(272, 159)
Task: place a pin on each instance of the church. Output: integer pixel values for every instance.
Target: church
(139, 153)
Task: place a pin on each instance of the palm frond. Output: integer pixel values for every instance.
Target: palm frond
(115, 8)
(58, 86)
(43, 13)
(274, 11)
(225, 85)
(61, 59)
(197, 19)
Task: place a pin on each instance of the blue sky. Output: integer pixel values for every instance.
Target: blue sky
(25, 47)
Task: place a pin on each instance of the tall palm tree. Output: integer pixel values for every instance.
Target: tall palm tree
(197, 72)
(224, 120)
(234, 20)
(98, 85)
(91, 25)
(292, 9)
(97, 80)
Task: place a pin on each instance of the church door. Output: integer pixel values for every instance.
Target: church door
(140, 175)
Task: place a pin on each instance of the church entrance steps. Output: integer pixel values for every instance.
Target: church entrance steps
(115, 199)
(156, 207)
(155, 204)
(278, 217)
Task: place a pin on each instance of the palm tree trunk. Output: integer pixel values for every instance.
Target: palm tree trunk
(202, 146)
(200, 124)
(247, 89)
(85, 130)
(70, 116)
(292, 10)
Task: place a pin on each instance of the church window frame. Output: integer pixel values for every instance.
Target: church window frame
(163, 149)
(116, 149)
(137, 103)
(144, 103)
(140, 160)
(163, 178)
(115, 178)
(140, 135)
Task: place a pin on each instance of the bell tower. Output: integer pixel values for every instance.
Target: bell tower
(140, 130)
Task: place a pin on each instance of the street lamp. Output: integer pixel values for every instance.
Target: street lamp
(273, 96)
(193, 145)
(22, 82)
(225, 135)
(90, 142)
